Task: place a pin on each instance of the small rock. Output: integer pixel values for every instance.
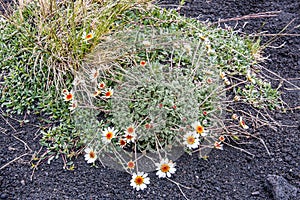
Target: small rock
(256, 193)
(23, 182)
(3, 196)
(280, 188)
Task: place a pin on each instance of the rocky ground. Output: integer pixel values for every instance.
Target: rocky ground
(228, 174)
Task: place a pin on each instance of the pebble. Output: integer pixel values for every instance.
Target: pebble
(281, 188)
(3, 196)
(256, 193)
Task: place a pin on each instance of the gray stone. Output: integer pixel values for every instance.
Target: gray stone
(280, 188)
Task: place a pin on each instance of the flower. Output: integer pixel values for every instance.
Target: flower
(191, 140)
(73, 105)
(199, 129)
(101, 85)
(130, 165)
(108, 134)
(148, 126)
(90, 155)
(226, 81)
(89, 36)
(130, 137)
(94, 74)
(209, 81)
(218, 145)
(96, 93)
(68, 96)
(143, 63)
(64, 91)
(139, 181)
(221, 138)
(122, 142)
(236, 98)
(222, 75)
(130, 130)
(243, 124)
(108, 93)
(234, 116)
(165, 168)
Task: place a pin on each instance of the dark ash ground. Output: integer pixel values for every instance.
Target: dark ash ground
(228, 174)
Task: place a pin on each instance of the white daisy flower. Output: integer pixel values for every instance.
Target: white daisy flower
(130, 137)
(165, 168)
(73, 105)
(101, 85)
(88, 36)
(218, 145)
(130, 130)
(90, 155)
(108, 134)
(191, 140)
(68, 96)
(199, 129)
(94, 74)
(139, 181)
(108, 93)
(122, 142)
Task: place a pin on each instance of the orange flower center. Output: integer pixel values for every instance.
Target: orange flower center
(221, 138)
(109, 135)
(217, 145)
(148, 126)
(130, 130)
(102, 85)
(122, 142)
(108, 93)
(190, 140)
(69, 96)
(130, 164)
(199, 129)
(92, 154)
(165, 168)
(139, 180)
(89, 36)
(143, 63)
(129, 137)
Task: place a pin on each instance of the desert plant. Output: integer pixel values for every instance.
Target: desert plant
(164, 85)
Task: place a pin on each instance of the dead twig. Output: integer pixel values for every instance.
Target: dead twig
(251, 16)
(17, 158)
(25, 144)
(7, 121)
